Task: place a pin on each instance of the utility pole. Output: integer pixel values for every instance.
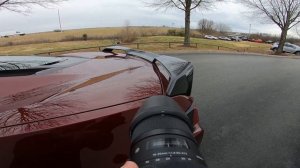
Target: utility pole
(249, 31)
(59, 20)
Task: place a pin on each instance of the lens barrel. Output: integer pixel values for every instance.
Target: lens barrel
(161, 135)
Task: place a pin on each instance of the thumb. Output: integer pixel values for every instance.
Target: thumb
(130, 164)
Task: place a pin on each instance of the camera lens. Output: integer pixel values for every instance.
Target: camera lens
(161, 135)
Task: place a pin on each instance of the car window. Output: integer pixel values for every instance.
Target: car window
(288, 45)
(293, 46)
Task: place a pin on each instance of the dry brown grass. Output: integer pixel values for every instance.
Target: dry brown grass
(78, 33)
(202, 45)
(145, 33)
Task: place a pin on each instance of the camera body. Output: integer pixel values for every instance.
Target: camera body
(161, 136)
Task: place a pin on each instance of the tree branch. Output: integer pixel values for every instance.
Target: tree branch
(23, 6)
(4, 2)
(183, 4)
(197, 4)
(177, 6)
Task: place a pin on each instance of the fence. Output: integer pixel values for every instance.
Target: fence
(138, 46)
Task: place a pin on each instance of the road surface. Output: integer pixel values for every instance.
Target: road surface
(250, 110)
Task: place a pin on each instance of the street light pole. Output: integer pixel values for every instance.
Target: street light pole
(59, 20)
(249, 30)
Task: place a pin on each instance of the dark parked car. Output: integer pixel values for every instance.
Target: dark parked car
(75, 110)
(235, 38)
(244, 38)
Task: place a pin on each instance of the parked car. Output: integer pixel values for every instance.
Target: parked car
(244, 38)
(287, 48)
(269, 42)
(57, 30)
(211, 37)
(257, 40)
(20, 33)
(11, 34)
(224, 38)
(74, 110)
(235, 38)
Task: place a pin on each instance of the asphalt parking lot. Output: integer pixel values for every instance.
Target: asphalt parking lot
(250, 109)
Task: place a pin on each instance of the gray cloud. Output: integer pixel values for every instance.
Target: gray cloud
(106, 13)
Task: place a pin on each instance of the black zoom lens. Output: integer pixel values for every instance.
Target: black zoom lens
(161, 135)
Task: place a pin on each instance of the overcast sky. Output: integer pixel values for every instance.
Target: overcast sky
(111, 13)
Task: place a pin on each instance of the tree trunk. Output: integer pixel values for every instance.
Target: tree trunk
(282, 40)
(187, 29)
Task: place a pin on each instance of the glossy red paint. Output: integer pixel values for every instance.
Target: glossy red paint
(76, 116)
(76, 89)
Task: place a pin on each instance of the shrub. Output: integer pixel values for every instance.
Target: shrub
(72, 38)
(195, 34)
(9, 43)
(127, 36)
(109, 37)
(153, 32)
(180, 32)
(85, 37)
(174, 32)
(171, 32)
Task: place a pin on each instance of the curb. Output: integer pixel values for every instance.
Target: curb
(230, 52)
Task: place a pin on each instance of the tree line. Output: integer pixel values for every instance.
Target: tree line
(206, 26)
(284, 13)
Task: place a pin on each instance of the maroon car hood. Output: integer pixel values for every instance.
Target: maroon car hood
(93, 84)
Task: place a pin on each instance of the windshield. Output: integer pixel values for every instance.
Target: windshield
(21, 63)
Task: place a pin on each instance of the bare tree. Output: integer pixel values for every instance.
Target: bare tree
(127, 35)
(297, 30)
(206, 26)
(185, 5)
(222, 28)
(127, 27)
(284, 13)
(23, 6)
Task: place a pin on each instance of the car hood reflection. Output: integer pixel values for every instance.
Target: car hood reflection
(31, 99)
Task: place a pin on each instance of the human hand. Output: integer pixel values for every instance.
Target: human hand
(130, 164)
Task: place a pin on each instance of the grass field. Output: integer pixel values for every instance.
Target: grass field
(50, 41)
(91, 32)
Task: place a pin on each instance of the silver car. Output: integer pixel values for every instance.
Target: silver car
(287, 48)
(211, 37)
(224, 38)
